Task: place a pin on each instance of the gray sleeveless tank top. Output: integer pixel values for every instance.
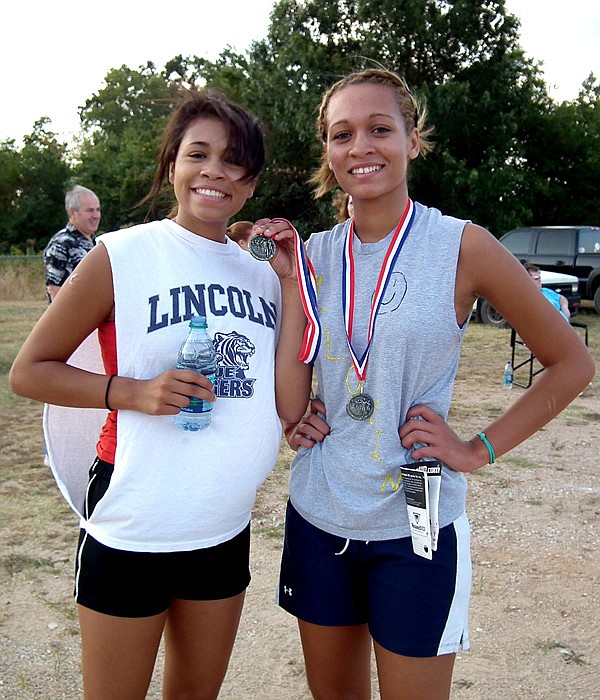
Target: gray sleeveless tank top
(349, 485)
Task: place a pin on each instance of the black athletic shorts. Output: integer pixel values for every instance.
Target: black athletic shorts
(139, 584)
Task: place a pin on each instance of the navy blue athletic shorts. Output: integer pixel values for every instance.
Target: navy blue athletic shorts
(139, 584)
(413, 606)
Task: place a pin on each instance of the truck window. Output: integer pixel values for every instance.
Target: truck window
(555, 242)
(518, 242)
(589, 241)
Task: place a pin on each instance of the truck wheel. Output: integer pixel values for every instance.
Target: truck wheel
(597, 300)
(490, 316)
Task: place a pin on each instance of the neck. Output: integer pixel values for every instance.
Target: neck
(86, 235)
(373, 219)
(212, 232)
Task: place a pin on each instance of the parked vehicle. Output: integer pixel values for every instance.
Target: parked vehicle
(573, 250)
(567, 285)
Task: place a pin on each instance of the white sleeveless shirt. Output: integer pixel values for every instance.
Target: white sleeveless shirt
(173, 490)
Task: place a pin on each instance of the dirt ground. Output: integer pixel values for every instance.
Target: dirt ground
(535, 516)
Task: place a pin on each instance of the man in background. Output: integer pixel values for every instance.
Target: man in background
(67, 248)
(557, 300)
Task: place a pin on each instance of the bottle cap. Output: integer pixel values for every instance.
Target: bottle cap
(198, 322)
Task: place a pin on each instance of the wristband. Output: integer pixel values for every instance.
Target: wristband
(112, 376)
(488, 444)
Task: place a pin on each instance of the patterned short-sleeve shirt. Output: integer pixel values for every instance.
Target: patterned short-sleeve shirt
(65, 250)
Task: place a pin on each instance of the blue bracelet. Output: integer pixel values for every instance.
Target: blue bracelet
(488, 444)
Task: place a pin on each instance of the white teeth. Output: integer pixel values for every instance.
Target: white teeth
(211, 193)
(362, 171)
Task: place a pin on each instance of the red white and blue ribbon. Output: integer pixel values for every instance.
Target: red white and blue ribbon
(308, 294)
(348, 286)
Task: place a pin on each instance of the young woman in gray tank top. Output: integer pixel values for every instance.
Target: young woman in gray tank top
(394, 288)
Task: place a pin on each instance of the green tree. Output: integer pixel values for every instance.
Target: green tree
(463, 57)
(505, 153)
(121, 126)
(10, 184)
(32, 189)
(562, 156)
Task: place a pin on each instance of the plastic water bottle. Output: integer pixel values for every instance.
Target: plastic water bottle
(508, 376)
(197, 353)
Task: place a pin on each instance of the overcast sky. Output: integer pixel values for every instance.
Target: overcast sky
(55, 55)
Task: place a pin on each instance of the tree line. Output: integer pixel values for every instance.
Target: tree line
(505, 153)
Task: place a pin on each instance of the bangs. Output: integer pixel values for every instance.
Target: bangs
(245, 138)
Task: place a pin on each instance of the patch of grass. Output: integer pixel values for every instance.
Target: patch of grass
(59, 659)
(534, 501)
(18, 563)
(580, 415)
(569, 656)
(16, 321)
(520, 462)
(22, 279)
(485, 412)
(477, 586)
(590, 416)
(65, 608)
(485, 473)
(274, 532)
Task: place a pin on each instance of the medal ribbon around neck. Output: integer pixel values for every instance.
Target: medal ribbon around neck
(348, 286)
(308, 294)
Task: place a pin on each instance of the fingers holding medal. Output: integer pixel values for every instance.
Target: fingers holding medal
(275, 241)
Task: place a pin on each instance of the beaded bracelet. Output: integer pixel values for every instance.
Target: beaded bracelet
(488, 444)
(112, 376)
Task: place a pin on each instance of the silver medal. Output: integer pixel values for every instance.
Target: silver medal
(360, 406)
(261, 247)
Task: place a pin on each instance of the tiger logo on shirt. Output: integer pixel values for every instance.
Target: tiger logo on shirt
(233, 354)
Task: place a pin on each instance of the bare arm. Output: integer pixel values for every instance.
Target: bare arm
(564, 306)
(40, 370)
(483, 270)
(292, 377)
(52, 290)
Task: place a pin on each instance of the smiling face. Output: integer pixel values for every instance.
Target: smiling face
(87, 218)
(206, 181)
(368, 146)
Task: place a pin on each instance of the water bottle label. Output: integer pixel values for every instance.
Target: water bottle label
(198, 405)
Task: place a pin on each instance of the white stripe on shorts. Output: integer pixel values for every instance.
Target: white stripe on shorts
(456, 632)
(80, 552)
